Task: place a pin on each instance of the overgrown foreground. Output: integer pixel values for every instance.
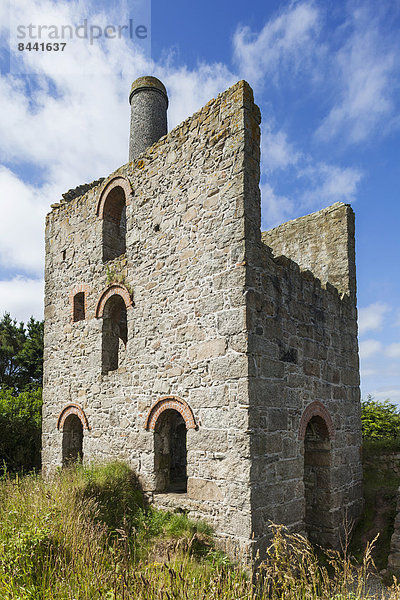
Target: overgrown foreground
(88, 535)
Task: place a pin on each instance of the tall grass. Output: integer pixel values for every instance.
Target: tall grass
(88, 535)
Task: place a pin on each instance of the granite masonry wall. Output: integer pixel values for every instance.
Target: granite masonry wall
(248, 347)
(303, 353)
(323, 243)
(394, 554)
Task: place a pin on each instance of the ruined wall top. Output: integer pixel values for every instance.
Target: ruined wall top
(323, 243)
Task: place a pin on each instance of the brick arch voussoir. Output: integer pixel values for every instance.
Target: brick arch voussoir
(119, 181)
(316, 409)
(170, 403)
(113, 290)
(72, 409)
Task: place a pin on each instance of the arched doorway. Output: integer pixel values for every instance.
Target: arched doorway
(317, 480)
(72, 440)
(170, 452)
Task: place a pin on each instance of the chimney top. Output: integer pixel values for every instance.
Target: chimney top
(148, 83)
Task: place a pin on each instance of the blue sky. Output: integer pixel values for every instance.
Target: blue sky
(326, 76)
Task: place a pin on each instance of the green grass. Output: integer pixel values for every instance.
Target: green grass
(88, 535)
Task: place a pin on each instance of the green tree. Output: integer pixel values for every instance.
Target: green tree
(31, 354)
(21, 376)
(20, 427)
(380, 420)
(21, 354)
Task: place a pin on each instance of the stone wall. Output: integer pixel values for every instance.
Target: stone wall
(303, 352)
(322, 243)
(186, 222)
(384, 462)
(389, 462)
(394, 555)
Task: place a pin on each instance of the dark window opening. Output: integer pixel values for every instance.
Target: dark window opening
(79, 306)
(64, 254)
(170, 453)
(317, 481)
(114, 224)
(115, 333)
(72, 441)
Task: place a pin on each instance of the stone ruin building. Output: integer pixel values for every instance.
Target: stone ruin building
(220, 362)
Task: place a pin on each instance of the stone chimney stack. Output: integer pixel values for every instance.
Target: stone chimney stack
(149, 103)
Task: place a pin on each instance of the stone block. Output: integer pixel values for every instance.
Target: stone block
(231, 366)
(202, 489)
(208, 349)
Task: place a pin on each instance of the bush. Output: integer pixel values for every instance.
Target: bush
(116, 490)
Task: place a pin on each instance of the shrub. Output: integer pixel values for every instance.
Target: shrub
(117, 493)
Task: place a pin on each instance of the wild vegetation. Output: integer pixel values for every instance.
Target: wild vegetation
(381, 438)
(88, 534)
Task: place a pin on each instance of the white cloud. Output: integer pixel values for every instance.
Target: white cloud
(330, 183)
(191, 90)
(325, 184)
(276, 151)
(371, 317)
(367, 372)
(284, 42)
(369, 347)
(393, 350)
(22, 298)
(23, 209)
(275, 209)
(387, 393)
(363, 69)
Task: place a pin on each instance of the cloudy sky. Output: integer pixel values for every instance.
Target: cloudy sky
(326, 76)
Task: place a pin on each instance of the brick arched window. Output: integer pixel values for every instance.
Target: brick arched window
(111, 208)
(112, 307)
(316, 409)
(170, 418)
(72, 409)
(170, 403)
(113, 290)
